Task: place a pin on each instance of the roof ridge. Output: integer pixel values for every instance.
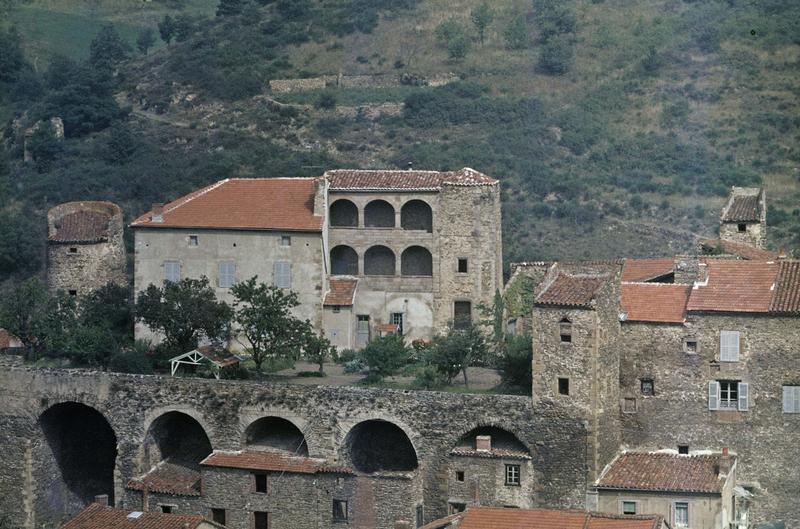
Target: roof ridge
(199, 193)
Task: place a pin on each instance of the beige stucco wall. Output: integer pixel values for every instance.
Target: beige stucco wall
(705, 511)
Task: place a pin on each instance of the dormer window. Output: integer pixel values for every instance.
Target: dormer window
(565, 330)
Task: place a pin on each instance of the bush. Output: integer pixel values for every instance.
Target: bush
(311, 374)
(516, 362)
(555, 57)
(130, 361)
(346, 355)
(237, 372)
(386, 355)
(326, 100)
(356, 365)
(428, 377)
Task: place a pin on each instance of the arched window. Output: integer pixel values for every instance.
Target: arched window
(344, 214)
(276, 433)
(416, 215)
(379, 214)
(378, 445)
(416, 261)
(379, 261)
(565, 330)
(344, 261)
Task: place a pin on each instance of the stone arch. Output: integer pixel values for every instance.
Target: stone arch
(84, 446)
(416, 261)
(379, 261)
(344, 261)
(376, 445)
(416, 215)
(177, 436)
(501, 438)
(343, 214)
(379, 214)
(275, 433)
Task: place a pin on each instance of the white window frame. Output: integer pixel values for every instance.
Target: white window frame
(675, 513)
(513, 475)
(226, 274)
(791, 399)
(193, 240)
(729, 346)
(740, 403)
(282, 274)
(172, 271)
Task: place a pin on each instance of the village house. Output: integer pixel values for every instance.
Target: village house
(99, 515)
(507, 518)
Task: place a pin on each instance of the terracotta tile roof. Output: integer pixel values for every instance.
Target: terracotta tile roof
(743, 208)
(271, 461)
(663, 472)
(8, 340)
(81, 226)
(96, 516)
(654, 302)
(218, 355)
(734, 286)
(342, 292)
(399, 180)
(786, 298)
(243, 203)
(745, 251)
(647, 269)
(169, 478)
(494, 453)
(503, 518)
(571, 290)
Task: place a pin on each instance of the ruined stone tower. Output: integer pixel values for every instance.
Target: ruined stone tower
(744, 217)
(85, 250)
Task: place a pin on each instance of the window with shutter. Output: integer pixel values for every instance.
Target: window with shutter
(283, 274)
(227, 274)
(791, 399)
(729, 346)
(172, 271)
(713, 395)
(744, 396)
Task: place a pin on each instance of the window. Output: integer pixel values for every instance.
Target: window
(260, 520)
(420, 515)
(260, 483)
(227, 274)
(729, 346)
(453, 507)
(628, 405)
(690, 346)
(73, 249)
(286, 240)
(563, 386)
(681, 514)
(339, 510)
(282, 271)
(728, 395)
(337, 309)
(396, 318)
(512, 475)
(172, 271)
(648, 387)
(741, 227)
(193, 240)
(166, 509)
(73, 292)
(565, 330)
(362, 330)
(683, 449)
(218, 516)
(462, 315)
(791, 399)
(628, 507)
(462, 266)
(459, 475)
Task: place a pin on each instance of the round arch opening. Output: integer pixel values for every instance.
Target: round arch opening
(416, 261)
(499, 439)
(416, 215)
(344, 261)
(178, 438)
(379, 214)
(343, 214)
(379, 261)
(377, 445)
(275, 433)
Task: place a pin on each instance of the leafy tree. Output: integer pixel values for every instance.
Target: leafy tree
(386, 355)
(20, 247)
(184, 27)
(516, 362)
(132, 359)
(12, 59)
(109, 307)
(184, 312)
(516, 33)
(230, 7)
(44, 146)
(454, 352)
(145, 40)
(452, 34)
(482, 16)
(166, 29)
(121, 145)
(318, 349)
(555, 18)
(264, 318)
(555, 56)
(22, 310)
(108, 49)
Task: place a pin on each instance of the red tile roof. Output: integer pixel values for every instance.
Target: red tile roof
(503, 518)
(743, 208)
(342, 292)
(8, 340)
(734, 286)
(646, 269)
(243, 203)
(81, 226)
(787, 289)
(97, 516)
(655, 302)
(169, 478)
(271, 461)
(663, 472)
(494, 453)
(399, 180)
(571, 290)
(745, 251)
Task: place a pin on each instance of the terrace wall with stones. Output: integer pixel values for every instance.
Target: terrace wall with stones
(70, 435)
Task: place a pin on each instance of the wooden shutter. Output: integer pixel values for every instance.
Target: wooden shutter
(283, 274)
(729, 346)
(172, 271)
(713, 395)
(788, 405)
(744, 396)
(227, 274)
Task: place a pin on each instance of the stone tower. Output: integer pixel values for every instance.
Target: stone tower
(744, 217)
(85, 250)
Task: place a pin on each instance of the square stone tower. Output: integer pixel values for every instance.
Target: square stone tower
(744, 217)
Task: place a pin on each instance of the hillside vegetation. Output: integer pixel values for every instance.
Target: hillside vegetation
(616, 126)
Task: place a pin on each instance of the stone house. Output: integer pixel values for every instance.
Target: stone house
(694, 491)
(100, 515)
(85, 250)
(420, 250)
(744, 217)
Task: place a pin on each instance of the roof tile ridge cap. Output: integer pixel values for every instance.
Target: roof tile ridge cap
(199, 193)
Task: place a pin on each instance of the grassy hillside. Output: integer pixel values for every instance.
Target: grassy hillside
(628, 148)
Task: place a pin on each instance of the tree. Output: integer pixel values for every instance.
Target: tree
(482, 17)
(12, 59)
(454, 352)
(317, 350)
(516, 362)
(166, 29)
(516, 33)
(386, 355)
(452, 34)
(184, 312)
(109, 307)
(184, 26)
(555, 57)
(229, 7)
(44, 146)
(20, 248)
(145, 40)
(22, 309)
(108, 49)
(263, 315)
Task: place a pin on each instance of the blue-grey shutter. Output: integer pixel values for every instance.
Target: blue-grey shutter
(283, 274)
(788, 405)
(729, 346)
(713, 395)
(744, 396)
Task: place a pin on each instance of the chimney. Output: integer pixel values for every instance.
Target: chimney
(410, 166)
(320, 196)
(158, 213)
(402, 524)
(725, 462)
(102, 499)
(483, 443)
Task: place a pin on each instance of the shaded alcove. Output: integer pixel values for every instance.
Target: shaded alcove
(84, 446)
(178, 438)
(377, 445)
(343, 214)
(379, 261)
(500, 439)
(344, 261)
(416, 215)
(416, 261)
(379, 214)
(276, 433)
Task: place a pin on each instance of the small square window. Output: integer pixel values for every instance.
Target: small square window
(218, 516)
(512, 475)
(73, 249)
(742, 227)
(628, 405)
(193, 240)
(286, 240)
(563, 386)
(459, 475)
(339, 510)
(260, 482)
(167, 509)
(683, 449)
(628, 507)
(648, 387)
(463, 267)
(73, 292)
(690, 345)
(337, 309)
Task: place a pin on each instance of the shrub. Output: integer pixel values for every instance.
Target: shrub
(326, 100)
(131, 361)
(346, 355)
(428, 377)
(311, 374)
(386, 355)
(516, 33)
(555, 57)
(516, 362)
(355, 365)
(237, 372)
